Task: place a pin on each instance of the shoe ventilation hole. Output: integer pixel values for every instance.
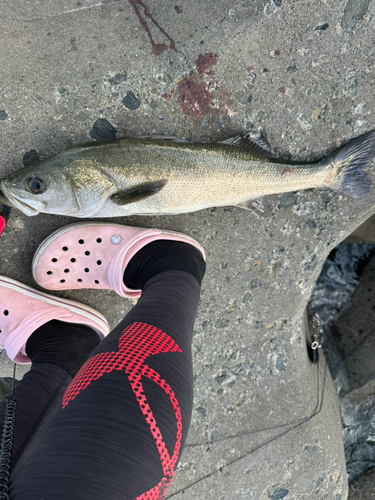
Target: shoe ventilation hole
(49, 272)
(62, 281)
(97, 282)
(99, 262)
(6, 312)
(54, 260)
(66, 270)
(98, 240)
(87, 252)
(81, 242)
(65, 249)
(79, 280)
(72, 260)
(87, 269)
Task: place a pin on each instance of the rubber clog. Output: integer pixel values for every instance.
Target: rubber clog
(23, 310)
(94, 255)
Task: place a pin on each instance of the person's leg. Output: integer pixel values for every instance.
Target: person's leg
(59, 335)
(125, 417)
(57, 351)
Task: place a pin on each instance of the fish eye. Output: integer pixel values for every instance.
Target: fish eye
(36, 185)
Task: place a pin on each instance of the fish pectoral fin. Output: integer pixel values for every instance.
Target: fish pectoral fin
(254, 204)
(138, 193)
(252, 142)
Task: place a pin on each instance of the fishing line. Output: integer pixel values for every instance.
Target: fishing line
(295, 424)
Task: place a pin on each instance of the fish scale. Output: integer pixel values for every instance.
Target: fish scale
(147, 176)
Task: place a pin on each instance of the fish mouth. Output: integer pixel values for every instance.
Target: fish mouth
(7, 198)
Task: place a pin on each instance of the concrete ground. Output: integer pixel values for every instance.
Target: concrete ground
(265, 420)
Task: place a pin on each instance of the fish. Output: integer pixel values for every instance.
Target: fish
(165, 176)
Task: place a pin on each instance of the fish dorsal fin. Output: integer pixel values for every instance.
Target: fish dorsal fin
(139, 192)
(172, 138)
(251, 142)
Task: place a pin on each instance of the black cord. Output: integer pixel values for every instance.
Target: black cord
(7, 441)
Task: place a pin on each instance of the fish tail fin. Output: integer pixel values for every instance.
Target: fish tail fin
(352, 159)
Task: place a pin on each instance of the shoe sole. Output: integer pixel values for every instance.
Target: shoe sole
(74, 307)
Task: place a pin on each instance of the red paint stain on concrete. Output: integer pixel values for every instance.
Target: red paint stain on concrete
(194, 98)
(200, 96)
(205, 62)
(157, 48)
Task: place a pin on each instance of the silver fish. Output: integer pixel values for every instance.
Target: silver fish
(147, 176)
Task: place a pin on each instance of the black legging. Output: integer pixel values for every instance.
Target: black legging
(123, 421)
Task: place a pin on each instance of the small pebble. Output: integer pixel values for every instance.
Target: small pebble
(323, 27)
(130, 101)
(102, 129)
(223, 120)
(30, 157)
(117, 79)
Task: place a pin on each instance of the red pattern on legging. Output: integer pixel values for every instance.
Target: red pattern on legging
(137, 342)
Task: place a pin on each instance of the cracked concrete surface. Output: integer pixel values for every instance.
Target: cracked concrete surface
(265, 419)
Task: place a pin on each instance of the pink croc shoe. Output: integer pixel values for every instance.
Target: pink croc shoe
(94, 255)
(23, 310)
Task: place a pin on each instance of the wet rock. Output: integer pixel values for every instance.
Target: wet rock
(130, 101)
(30, 157)
(202, 411)
(223, 120)
(287, 200)
(117, 79)
(323, 27)
(353, 87)
(279, 493)
(353, 13)
(212, 435)
(319, 482)
(205, 121)
(243, 97)
(363, 488)
(3, 115)
(60, 89)
(102, 129)
(358, 419)
(219, 377)
(279, 365)
(342, 105)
